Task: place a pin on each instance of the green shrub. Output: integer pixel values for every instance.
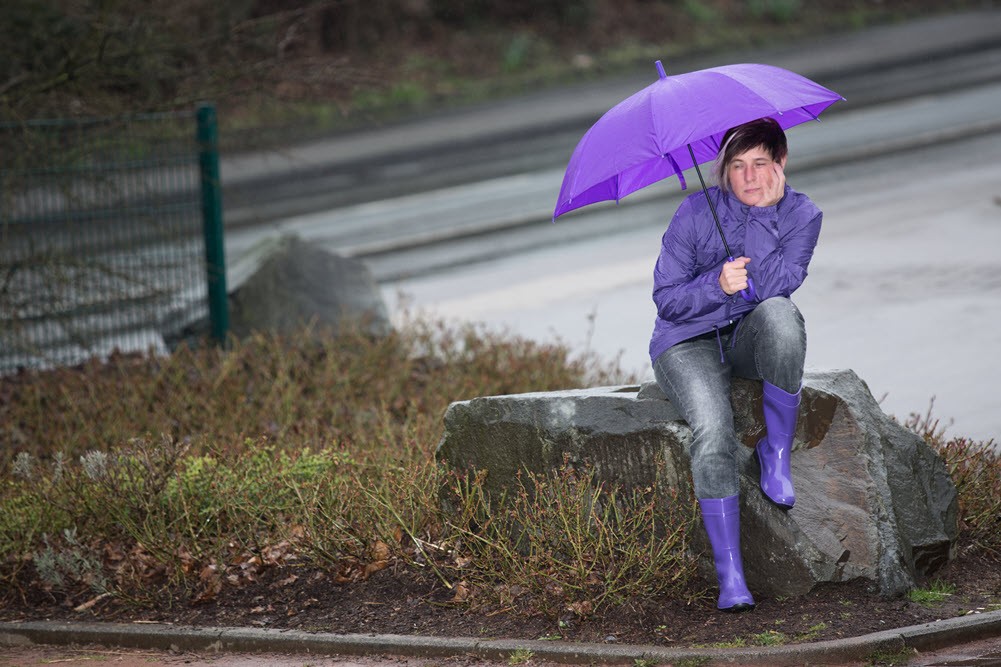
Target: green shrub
(69, 563)
(975, 468)
(29, 511)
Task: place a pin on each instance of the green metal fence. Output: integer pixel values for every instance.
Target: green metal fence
(110, 236)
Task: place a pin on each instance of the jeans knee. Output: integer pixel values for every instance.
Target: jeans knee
(782, 326)
(779, 309)
(715, 427)
(714, 463)
(712, 440)
(779, 343)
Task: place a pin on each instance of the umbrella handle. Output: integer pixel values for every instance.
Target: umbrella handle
(749, 294)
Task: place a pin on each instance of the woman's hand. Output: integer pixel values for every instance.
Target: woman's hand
(733, 277)
(774, 187)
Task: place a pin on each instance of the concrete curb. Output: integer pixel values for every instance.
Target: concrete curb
(928, 636)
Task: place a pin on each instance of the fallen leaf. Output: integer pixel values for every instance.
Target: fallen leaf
(287, 581)
(372, 568)
(211, 585)
(276, 554)
(188, 562)
(461, 592)
(380, 550)
(114, 552)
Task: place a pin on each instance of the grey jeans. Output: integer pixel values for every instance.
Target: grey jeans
(768, 344)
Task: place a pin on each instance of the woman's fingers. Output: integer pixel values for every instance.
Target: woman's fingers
(733, 276)
(776, 186)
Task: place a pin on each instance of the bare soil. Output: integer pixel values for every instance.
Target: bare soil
(405, 601)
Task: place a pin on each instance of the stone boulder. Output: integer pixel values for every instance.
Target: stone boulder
(296, 282)
(873, 501)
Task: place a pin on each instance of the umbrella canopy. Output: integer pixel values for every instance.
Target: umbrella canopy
(654, 133)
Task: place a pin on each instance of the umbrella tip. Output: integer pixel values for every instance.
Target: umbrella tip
(660, 69)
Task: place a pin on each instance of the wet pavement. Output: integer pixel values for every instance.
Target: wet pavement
(91, 656)
(982, 653)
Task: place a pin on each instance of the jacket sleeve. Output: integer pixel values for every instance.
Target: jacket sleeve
(680, 290)
(780, 248)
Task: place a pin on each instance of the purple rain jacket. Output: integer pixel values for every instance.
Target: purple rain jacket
(779, 240)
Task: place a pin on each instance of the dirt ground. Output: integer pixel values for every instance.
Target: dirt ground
(402, 601)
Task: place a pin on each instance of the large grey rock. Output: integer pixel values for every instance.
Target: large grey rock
(873, 500)
(299, 283)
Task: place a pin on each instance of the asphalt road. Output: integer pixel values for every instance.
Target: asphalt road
(540, 129)
(456, 187)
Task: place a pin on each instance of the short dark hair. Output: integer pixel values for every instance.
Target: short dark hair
(764, 132)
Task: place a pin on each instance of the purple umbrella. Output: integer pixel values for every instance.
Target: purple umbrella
(676, 123)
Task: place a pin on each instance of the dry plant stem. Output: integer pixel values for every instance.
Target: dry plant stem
(378, 500)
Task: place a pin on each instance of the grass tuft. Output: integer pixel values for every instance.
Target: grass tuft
(520, 656)
(937, 592)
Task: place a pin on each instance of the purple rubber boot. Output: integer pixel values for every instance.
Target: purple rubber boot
(773, 450)
(721, 517)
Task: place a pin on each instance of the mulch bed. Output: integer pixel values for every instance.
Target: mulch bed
(404, 601)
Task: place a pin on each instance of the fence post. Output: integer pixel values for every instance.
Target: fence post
(212, 226)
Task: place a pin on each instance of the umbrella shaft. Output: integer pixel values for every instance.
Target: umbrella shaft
(712, 207)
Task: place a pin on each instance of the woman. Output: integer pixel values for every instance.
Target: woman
(706, 331)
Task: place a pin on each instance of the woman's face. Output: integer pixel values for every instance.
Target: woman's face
(750, 173)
